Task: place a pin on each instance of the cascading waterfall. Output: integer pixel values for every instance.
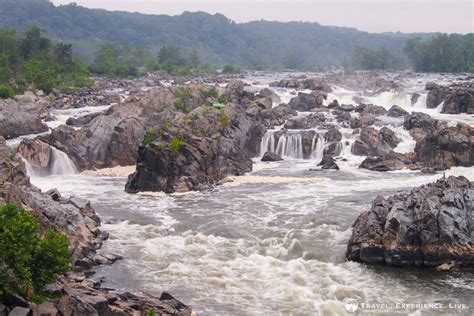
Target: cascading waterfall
(317, 148)
(61, 164)
(267, 143)
(290, 145)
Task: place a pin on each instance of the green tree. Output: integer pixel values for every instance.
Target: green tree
(40, 74)
(34, 260)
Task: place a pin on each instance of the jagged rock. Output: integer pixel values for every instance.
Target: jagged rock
(46, 309)
(389, 136)
(334, 104)
(333, 135)
(16, 121)
(347, 107)
(315, 84)
(333, 149)
(370, 143)
(457, 98)
(306, 102)
(430, 226)
(396, 111)
(306, 122)
(414, 98)
(328, 163)
(271, 156)
(389, 162)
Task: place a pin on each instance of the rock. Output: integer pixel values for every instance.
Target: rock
(333, 149)
(334, 104)
(46, 309)
(446, 266)
(271, 156)
(435, 95)
(315, 84)
(305, 122)
(333, 135)
(414, 98)
(36, 152)
(328, 163)
(20, 311)
(27, 97)
(269, 93)
(459, 99)
(16, 121)
(83, 120)
(396, 111)
(390, 162)
(305, 102)
(235, 87)
(389, 136)
(3, 310)
(370, 143)
(418, 120)
(429, 226)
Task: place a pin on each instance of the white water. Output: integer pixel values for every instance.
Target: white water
(61, 164)
(268, 243)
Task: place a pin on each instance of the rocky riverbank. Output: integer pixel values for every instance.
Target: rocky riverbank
(77, 293)
(430, 226)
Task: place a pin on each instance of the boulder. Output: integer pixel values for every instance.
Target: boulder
(271, 156)
(396, 111)
(15, 121)
(36, 152)
(83, 120)
(370, 143)
(269, 93)
(328, 163)
(429, 226)
(390, 162)
(305, 102)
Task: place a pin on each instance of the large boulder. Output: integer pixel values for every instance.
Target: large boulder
(269, 93)
(36, 152)
(16, 121)
(271, 156)
(457, 98)
(430, 226)
(328, 162)
(370, 143)
(396, 111)
(305, 102)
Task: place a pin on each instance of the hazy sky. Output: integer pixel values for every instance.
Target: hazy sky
(368, 15)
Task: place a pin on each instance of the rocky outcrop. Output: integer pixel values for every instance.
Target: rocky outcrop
(430, 226)
(457, 98)
(439, 146)
(305, 102)
(271, 156)
(83, 120)
(396, 111)
(78, 295)
(388, 162)
(16, 120)
(269, 93)
(372, 143)
(315, 84)
(181, 161)
(305, 122)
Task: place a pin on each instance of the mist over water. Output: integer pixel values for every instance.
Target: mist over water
(271, 242)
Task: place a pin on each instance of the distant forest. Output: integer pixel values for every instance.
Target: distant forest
(215, 40)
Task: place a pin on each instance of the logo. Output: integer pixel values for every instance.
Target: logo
(351, 305)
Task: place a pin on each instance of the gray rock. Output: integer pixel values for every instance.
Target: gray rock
(271, 156)
(20, 311)
(429, 226)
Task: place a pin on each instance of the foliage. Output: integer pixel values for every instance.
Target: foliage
(443, 53)
(6, 92)
(115, 61)
(209, 93)
(383, 59)
(218, 40)
(34, 259)
(183, 96)
(223, 99)
(29, 59)
(224, 119)
(175, 145)
(150, 137)
(230, 69)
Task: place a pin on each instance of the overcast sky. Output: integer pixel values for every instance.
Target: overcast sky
(368, 15)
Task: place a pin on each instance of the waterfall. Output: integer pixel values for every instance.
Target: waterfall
(290, 146)
(268, 143)
(61, 164)
(317, 149)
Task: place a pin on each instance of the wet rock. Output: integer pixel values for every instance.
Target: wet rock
(315, 84)
(36, 152)
(46, 309)
(306, 122)
(396, 111)
(334, 104)
(414, 98)
(347, 107)
(333, 149)
(333, 135)
(419, 120)
(328, 163)
(429, 226)
(271, 156)
(389, 136)
(435, 95)
(375, 110)
(389, 162)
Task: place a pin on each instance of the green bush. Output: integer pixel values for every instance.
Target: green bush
(229, 69)
(175, 145)
(224, 118)
(34, 260)
(183, 96)
(209, 93)
(223, 99)
(150, 137)
(6, 92)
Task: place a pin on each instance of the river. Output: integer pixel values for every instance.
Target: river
(271, 242)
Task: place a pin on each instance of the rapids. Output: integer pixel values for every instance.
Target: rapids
(271, 242)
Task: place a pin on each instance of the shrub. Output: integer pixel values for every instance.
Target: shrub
(33, 259)
(183, 95)
(6, 92)
(223, 99)
(175, 145)
(224, 118)
(209, 93)
(229, 69)
(150, 137)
